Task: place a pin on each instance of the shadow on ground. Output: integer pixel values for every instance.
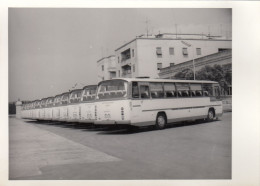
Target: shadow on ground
(113, 129)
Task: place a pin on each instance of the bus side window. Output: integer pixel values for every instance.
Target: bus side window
(207, 90)
(144, 91)
(183, 89)
(135, 90)
(196, 90)
(156, 90)
(169, 89)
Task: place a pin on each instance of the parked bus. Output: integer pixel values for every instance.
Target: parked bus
(73, 105)
(30, 110)
(142, 102)
(36, 106)
(56, 108)
(42, 109)
(48, 108)
(25, 111)
(64, 107)
(87, 104)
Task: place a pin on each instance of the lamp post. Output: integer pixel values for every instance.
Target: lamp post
(190, 45)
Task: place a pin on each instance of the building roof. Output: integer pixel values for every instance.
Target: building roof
(159, 38)
(105, 58)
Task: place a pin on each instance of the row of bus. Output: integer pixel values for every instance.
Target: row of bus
(131, 101)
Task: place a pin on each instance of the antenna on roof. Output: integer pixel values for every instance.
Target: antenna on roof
(147, 29)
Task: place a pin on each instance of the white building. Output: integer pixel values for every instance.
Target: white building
(145, 56)
(106, 68)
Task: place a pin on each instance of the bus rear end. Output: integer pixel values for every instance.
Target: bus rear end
(64, 107)
(87, 104)
(42, 109)
(56, 108)
(112, 106)
(48, 109)
(73, 106)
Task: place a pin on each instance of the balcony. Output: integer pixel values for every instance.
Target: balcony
(126, 62)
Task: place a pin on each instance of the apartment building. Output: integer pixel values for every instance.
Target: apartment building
(106, 68)
(145, 56)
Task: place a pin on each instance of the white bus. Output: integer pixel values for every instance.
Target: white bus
(42, 109)
(56, 108)
(25, 111)
(30, 110)
(64, 107)
(87, 104)
(48, 108)
(73, 105)
(35, 112)
(142, 102)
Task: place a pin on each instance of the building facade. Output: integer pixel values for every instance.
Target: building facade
(223, 58)
(106, 68)
(145, 56)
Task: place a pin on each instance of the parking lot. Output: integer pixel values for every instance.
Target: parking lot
(71, 151)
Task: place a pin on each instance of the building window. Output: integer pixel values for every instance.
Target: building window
(185, 51)
(159, 66)
(133, 68)
(118, 73)
(159, 52)
(198, 51)
(133, 53)
(171, 64)
(171, 51)
(102, 67)
(125, 55)
(118, 59)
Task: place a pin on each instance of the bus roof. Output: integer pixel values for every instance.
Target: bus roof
(64, 93)
(75, 90)
(88, 86)
(162, 80)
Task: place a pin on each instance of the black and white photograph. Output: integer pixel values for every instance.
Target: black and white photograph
(93, 89)
(123, 94)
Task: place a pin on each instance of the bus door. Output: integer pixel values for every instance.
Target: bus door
(140, 95)
(216, 91)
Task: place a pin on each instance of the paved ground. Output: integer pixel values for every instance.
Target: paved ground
(44, 150)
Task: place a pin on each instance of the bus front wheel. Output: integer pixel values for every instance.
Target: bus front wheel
(211, 115)
(161, 121)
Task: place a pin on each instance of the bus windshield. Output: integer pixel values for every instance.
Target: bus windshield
(112, 89)
(89, 93)
(75, 96)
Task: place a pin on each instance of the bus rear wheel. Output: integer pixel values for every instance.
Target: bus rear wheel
(161, 121)
(211, 115)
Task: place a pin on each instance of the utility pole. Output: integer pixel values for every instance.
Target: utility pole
(190, 45)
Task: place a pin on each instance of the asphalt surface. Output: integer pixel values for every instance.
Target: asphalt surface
(52, 151)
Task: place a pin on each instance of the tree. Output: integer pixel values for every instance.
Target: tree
(185, 74)
(212, 73)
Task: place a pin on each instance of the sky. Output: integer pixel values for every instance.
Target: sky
(52, 49)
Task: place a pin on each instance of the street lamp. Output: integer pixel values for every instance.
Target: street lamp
(190, 45)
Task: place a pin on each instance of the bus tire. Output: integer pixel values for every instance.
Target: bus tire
(211, 114)
(161, 121)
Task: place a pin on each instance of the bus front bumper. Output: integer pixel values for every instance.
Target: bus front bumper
(112, 122)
